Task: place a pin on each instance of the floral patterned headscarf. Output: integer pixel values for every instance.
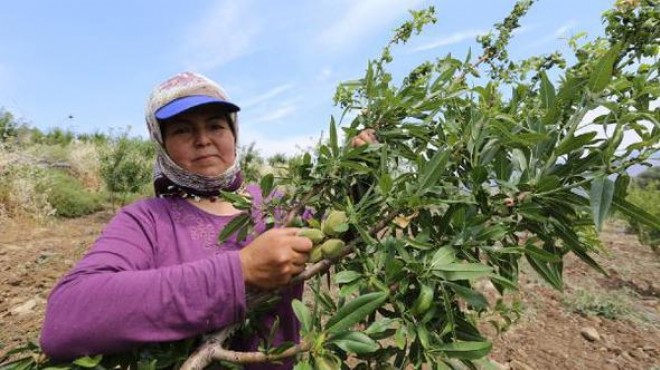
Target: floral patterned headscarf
(177, 94)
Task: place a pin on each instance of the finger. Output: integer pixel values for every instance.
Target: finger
(300, 244)
(297, 269)
(300, 259)
(291, 231)
(359, 142)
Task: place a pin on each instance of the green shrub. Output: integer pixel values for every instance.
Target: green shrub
(8, 125)
(611, 305)
(126, 166)
(68, 196)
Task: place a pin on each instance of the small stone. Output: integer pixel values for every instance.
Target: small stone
(627, 356)
(638, 354)
(518, 365)
(590, 333)
(23, 309)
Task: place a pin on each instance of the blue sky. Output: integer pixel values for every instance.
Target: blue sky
(96, 61)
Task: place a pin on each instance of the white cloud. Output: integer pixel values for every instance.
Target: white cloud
(282, 111)
(454, 38)
(325, 74)
(361, 19)
(266, 96)
(225, 33)
(289, 145)
(562, 31)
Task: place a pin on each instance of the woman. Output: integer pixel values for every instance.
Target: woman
(157, 273)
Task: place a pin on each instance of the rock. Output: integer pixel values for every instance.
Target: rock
(518, 365)
(627, 356)
(638, 354)
(590, 333)
(24, 309)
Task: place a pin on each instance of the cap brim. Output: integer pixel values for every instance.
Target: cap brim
(181, 105)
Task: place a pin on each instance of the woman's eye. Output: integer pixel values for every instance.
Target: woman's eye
(219, 125)
(179, 130)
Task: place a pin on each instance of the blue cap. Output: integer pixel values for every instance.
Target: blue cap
(182, 104)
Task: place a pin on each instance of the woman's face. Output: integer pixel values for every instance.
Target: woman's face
(200, 140)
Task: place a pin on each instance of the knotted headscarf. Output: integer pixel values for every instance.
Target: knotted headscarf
(176, 95)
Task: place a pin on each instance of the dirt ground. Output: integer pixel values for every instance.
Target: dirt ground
(598, 322)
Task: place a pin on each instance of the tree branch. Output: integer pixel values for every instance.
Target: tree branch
(212, 349)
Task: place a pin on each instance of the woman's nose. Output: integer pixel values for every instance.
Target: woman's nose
(202, 137)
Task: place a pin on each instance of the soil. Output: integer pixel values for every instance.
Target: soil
(620, 313)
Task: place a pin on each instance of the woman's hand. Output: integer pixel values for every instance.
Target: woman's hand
(365, 137)
(274, 257)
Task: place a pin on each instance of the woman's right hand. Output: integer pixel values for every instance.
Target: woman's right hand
(274, 257)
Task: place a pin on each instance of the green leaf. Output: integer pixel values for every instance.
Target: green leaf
(385, 183)
(381, 326)
(334, 145)
(547, 92)
(492, 232)
(602, 73)
(344, 277)
(147, 364)
(354, 311)
(621, 185)
(443, 256)
(602, 190)
(303, 365)
(569, 144)
(266, 184)
(547, 273)
(303, 314)
(465, 350)
(88, 362)
(519, 159)
(636, 213)
(355, 342)
(432, 170)
(462, 271)
(540, 254)
(20, 364)
(234, 225)
(474, 298)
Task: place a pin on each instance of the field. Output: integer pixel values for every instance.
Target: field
(620, 313)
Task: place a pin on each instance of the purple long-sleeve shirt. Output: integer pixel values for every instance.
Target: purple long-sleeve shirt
(155, 274)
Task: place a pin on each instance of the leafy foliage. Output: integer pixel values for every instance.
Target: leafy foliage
(126, 165)
(472, 177)
(8, 126)
(67, 195)
(251, 163)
